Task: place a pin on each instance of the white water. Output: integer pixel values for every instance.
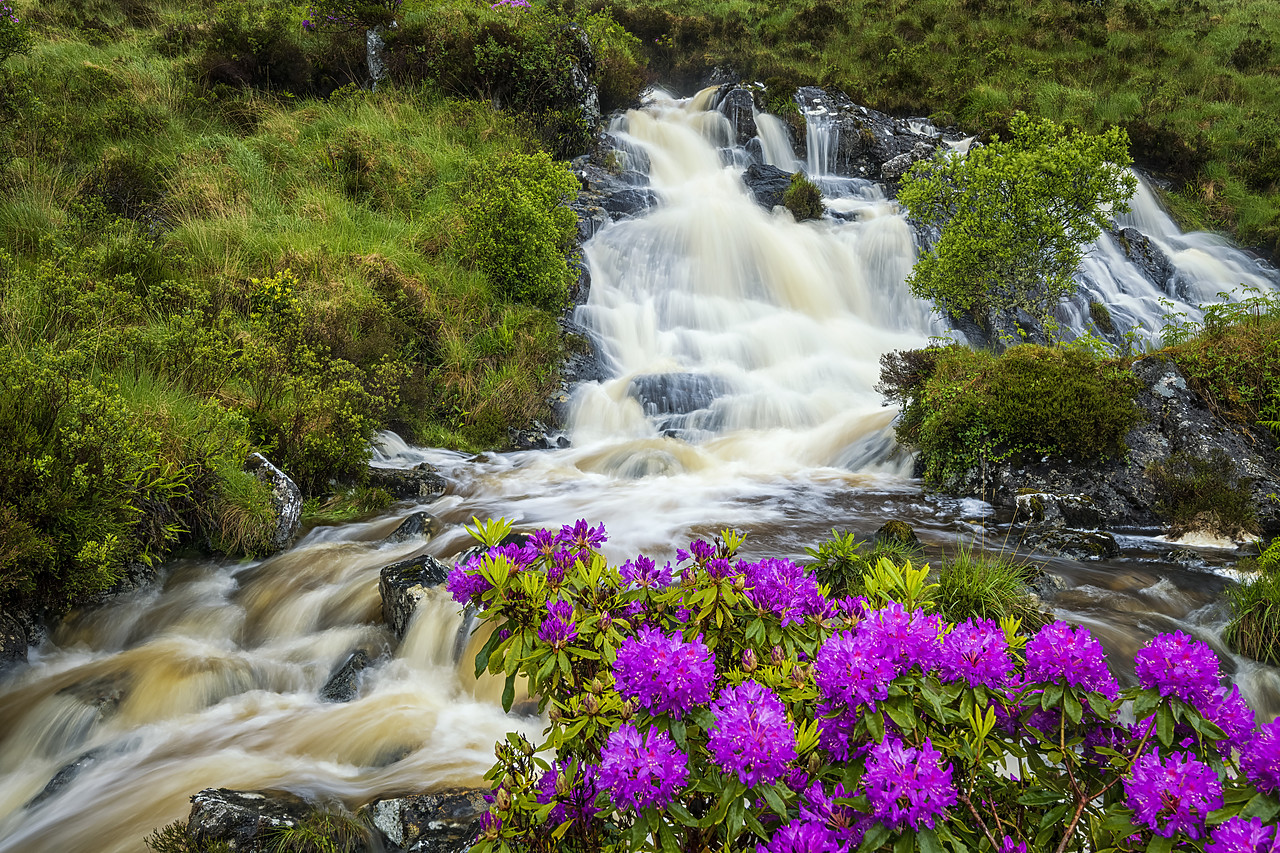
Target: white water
(777, 328)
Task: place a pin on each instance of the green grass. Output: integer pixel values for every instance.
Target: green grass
(975, 584)
(1254, 629)
(1196, 84)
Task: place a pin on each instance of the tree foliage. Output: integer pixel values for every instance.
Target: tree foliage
(1015, 215)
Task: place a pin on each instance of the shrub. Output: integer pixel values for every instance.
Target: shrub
(1015, 216)
(619, 63)
(962, 407)
(977, 585)
(352, 14)
(1203, 494)
(518, 227)
(1254, 629)
(803, 198)
(15, 39)
(728, 704)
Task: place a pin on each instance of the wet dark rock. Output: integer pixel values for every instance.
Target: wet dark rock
(404, 584)
(1176, 419)
(344, 684)
(998, 329)
(1050, 510)
(1074, 544)
(678, 400)
(244, 820)
(1149, 258)
(441, 822)
(738, 103)
(286, 500)
(897, 532)
(767, 184)
(66, 775)
(416, 483)
(1186, 557)
(536, 437)
(13, 642)
(416, 525)
(102, 694)
(619, 192)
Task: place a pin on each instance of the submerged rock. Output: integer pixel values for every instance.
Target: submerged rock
(286, 500)
(440, 822)
(897, 532)
(1075, 544)
(417, 483)
(404, 584)
(1051, 510)
(344, 684)
(416, 525)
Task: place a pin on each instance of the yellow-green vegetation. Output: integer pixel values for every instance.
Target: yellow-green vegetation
(803, 198)
(1194, 83)
(1015, 216)
(213, 240)
(963, 407)
(1254, 629)
(1203, 494)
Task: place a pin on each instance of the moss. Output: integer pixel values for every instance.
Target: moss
(1101, 316)
(1203, 494)
(803, 198)
(963, 407)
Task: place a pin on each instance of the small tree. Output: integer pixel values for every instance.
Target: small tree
(351, 14)
(15, 39)
(1015, 215)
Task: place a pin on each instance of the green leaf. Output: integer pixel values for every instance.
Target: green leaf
(1164, 725)
(509, 692)
(875, 837)
(928, 841)
(482, 658)
(1160, 844)
(1070, 704)
(1262, 806)
(770, 794)
(875, 726)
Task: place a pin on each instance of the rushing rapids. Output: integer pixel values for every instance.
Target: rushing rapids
(744, 348)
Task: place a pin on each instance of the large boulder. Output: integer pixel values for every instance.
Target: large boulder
(738, 104)
(767, 184)
(404, 584)
(286, 500)
(245, 821)
(1176, 420)
(1149, 258)
(442, 822)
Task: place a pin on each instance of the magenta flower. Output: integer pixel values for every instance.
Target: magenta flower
(642, 771)
(836, 725)
(801, 836)
(976, 653)
(853, 670)
(573, 802)
(643, 573)
(907, 637)
(1243, 836)
(582, 536)
(1008, 845)
(466, 584)
(1177, 665)
(840, 820)
(783, 588)
(1061, 652)
(906, 785)
(664, 673)
(751, 735)
(541, 543)
(1174, 795)
(558, 628)
(1260, 759)
(1227, 710)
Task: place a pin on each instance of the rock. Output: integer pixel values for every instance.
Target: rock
(416, 483)
(621, 193)
(66, 775)
(1075, 544)
(767, 184)
(897, 533)
(1149, 258)
(1050, 510)
(243, 820)
(415, 525)
(536, 437)
(442, 822)
(678, 400)
(286, 500)
(1176, 419)
(13, 642)
(892, 170)
(402, 585)
(344, 684)
(737, 102)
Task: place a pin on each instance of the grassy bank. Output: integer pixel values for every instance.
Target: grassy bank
(1194, 83)
(213, 240)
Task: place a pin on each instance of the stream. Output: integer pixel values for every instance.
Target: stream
(744, 348)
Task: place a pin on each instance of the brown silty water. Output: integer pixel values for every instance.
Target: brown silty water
(745, 348)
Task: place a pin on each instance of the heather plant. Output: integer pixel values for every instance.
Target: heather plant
(716, 702)
(14, 37)
(351, 14)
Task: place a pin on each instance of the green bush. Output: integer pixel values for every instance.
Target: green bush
(1254, 630)
(518, 228)
(1015, 216)
(14, 36)
(620, 73)
(962, 407)
(977, 585)
(803, 198)
(1203, 494)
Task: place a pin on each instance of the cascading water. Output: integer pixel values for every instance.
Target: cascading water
(745, 349)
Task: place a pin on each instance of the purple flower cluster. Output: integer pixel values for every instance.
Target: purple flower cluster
(572, 789)
(642, 771)
(558, 628)
(1174, 795)
(510, 4)
(1060, 652)
(349, 14)
(1176, 665)
(751, 735)
(1227, 710)
(664, 673)
(1244, 836)
(1260, 760)
(906, 785)
(783, 588)
(977, 653)
(466, 584)
(643, 573)
(581, 536)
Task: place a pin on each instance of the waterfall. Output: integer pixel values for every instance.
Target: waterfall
(775, 142)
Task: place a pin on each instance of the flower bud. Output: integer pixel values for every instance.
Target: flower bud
(739, 583)
(596, 687)
(555, 714)
(800, 674)
(591, 705)
(628, 709)
(502, 800)
(526, 747)
(605, 620)
(748, 660)
(563, 787)
(777, 656)
(490, 826)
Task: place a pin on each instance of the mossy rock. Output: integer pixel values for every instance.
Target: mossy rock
(897, 532)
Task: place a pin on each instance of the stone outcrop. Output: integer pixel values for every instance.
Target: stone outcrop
(1123, 492)
(286, 501)
(244, 821)
(421, 482)
(404, 584)
(767, 184)
(441, 822)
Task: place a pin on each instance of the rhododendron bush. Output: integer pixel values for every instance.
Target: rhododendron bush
(719, 703)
